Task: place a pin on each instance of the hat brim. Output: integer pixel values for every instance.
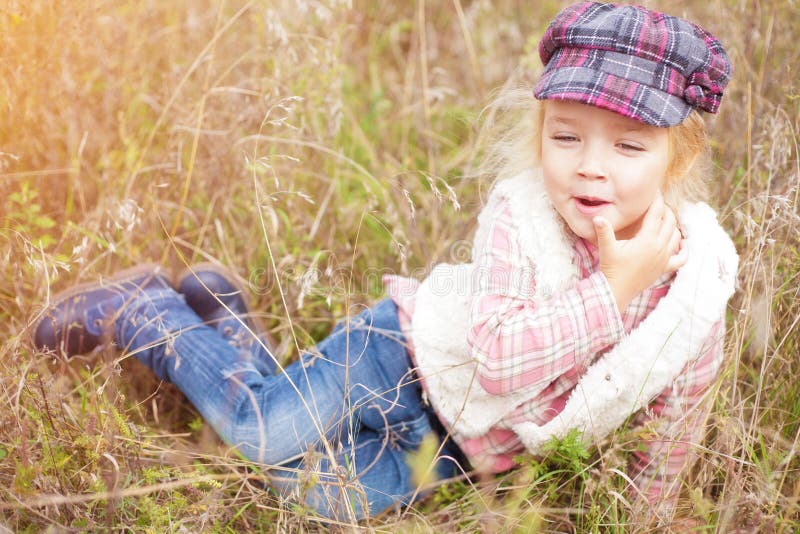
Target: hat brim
(605, 90)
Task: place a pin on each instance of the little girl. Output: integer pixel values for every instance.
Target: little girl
(597, 290)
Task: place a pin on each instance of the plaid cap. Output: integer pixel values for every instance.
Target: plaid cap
(642, 64)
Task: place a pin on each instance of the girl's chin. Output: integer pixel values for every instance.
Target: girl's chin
(585, 232)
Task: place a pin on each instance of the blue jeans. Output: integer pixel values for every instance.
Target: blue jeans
(336, 427)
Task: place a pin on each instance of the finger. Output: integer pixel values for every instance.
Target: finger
(669, 217)
(605, 233)
(668, 225)
(654, 213)
(678, 260)
(672, 212)
(674, 245)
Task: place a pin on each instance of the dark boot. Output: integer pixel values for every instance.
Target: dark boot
(216, 295)
(81, 318)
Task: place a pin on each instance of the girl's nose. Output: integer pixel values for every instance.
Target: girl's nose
(592, 164)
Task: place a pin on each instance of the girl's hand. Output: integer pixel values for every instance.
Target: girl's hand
(633, 265)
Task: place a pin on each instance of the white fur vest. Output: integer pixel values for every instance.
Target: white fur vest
(624, 379)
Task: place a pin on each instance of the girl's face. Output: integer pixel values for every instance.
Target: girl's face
(597, 162)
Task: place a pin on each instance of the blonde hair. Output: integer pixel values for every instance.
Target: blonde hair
(515, 120)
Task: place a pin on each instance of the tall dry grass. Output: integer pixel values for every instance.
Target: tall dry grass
(314, 144)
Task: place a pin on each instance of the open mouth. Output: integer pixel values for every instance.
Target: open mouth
(590, 205)
(591, 201)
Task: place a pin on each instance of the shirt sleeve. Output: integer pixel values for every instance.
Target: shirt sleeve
(674, 423)
(520, 343)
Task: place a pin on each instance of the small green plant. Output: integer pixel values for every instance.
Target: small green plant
(24, 215)
(569, 453)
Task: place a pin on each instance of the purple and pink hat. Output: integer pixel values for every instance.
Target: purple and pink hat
(646, 65)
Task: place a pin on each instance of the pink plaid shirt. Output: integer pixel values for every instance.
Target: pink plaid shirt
(522, 343)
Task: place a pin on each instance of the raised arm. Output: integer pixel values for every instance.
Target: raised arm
(642, 364)
(519, 343)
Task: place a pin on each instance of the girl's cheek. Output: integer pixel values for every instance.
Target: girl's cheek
(637, 200)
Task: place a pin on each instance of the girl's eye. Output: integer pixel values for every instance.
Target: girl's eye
(631, 147)
(564, 137)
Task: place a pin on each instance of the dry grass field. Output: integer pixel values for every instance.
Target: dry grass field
(312, 145)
